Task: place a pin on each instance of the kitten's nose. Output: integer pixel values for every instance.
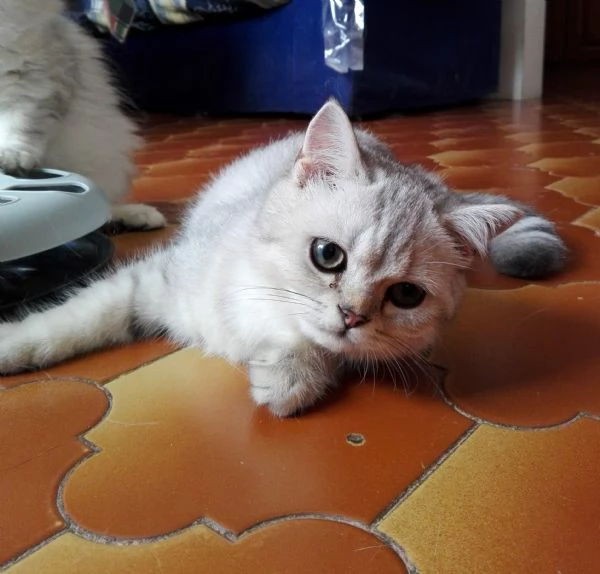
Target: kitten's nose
(352, 319)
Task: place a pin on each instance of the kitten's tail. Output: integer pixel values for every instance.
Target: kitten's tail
(528, 249)
(111, 311)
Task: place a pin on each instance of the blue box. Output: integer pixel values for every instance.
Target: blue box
(418, 53)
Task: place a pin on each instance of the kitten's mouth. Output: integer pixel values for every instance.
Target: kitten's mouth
(341, 341)
(335, 340)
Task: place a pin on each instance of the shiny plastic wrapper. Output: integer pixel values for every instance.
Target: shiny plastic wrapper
(343, 33)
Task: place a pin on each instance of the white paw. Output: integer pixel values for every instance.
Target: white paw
(137, 216)
(282, 392)
(17, 356)
(28, 346)
(17, 159)
(280, 404)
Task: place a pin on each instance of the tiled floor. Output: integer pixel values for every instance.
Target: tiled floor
(149, 459)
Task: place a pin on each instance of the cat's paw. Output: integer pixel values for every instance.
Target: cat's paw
(286, 388)
(16, 354)
(279, 404)
(18, 159)
(137, 216)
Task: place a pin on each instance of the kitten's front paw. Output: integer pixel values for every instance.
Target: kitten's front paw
(280, 404)
(291, 385)
(17, 355)
(137, 216)
(17, 160)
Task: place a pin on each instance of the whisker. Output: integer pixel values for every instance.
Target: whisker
(290, 291)
(410, 359)
(276, 300)
(459, 265)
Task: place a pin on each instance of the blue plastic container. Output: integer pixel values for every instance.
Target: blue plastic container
(418, 53)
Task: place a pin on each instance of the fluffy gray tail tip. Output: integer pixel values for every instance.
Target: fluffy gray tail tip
(530, 249)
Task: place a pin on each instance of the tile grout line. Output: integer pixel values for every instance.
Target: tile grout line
(424, 476)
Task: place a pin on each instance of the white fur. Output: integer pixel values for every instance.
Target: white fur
(58, 107)
(239, 280)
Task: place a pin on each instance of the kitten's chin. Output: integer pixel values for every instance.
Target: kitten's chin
(339, 342)
(354, 345)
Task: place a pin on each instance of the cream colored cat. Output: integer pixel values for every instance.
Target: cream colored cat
(315, 251)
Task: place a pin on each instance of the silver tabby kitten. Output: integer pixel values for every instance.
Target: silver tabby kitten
(58, 107)
(317, 250)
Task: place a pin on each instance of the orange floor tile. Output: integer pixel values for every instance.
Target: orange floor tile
(150, 459)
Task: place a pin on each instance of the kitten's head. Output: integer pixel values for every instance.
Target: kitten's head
(374, 251)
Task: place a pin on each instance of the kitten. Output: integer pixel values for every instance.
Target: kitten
(315, 251)
(58, 107)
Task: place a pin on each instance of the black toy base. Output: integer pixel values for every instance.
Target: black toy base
(45, 277)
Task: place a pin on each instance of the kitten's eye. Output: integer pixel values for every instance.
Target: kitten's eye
(327, 256)
(406, 295)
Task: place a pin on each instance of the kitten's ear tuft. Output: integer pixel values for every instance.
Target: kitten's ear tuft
(476, 225)
(329, 148)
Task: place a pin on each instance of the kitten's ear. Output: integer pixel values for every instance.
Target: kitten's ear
(329, 147)
(476, 225)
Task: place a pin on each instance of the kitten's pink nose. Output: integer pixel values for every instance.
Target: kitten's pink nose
(352, 319)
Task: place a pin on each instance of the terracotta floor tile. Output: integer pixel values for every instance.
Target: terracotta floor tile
(183, 441)
(560, 149)
(196, 138)
(39, 427)
(521, 373)
(570, 166)
(474, 131)
(481, 178)
(584, 189)
(394, 135)
(542, 124)
(589, 131)
(150, 157)
(539, 137)
(591, 220)
(585, 121)
(175, 146)
(224, 151)
(292, 547)
(491, 157)
(188, 166)
(165, 188)
(507, 501)
(473, 143)
(271, 132)
(461, 120)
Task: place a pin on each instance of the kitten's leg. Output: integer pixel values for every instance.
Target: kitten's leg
(293, 383)
(137, 216)
(25, 129)
(125, 306)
